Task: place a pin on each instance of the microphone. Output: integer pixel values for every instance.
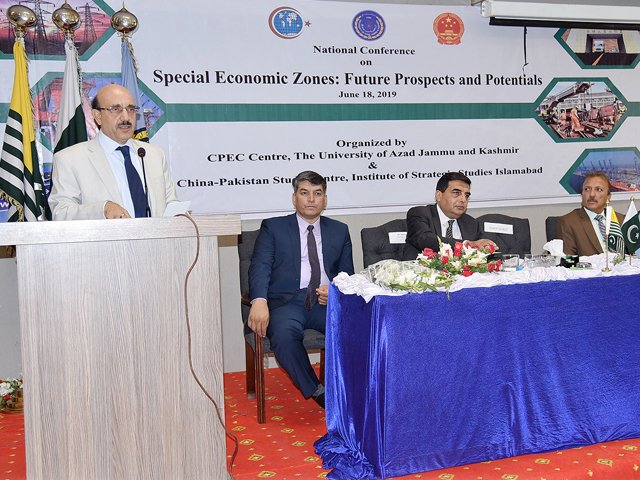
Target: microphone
(141, 153)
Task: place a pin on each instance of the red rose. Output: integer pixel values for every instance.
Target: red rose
(457, 249)
(7, 397)
(427, 252)
(492, 249)
(445, 260)
(467, 273)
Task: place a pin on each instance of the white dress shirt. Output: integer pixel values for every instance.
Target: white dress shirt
(305, 267)
(444, 223)
(596, 227)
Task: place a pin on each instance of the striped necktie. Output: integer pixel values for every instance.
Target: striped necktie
(314, 262)
(602, 228)
(449, 233)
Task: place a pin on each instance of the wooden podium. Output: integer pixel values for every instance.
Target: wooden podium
(108, 389)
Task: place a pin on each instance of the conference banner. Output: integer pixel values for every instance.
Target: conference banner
(381, 99)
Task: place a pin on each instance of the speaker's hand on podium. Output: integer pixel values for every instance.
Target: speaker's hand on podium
(113, 210)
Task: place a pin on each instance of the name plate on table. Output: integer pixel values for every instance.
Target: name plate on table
(397, 237)
(498, 228)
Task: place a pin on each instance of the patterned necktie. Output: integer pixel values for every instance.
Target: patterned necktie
(449, 233)
(314, 262)
(602, 228)
(135, 185)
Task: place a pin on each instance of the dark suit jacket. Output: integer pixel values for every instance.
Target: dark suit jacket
(576, 231)
(274, 273)
(423, 230)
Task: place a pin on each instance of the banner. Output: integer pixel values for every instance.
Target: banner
(380, 98)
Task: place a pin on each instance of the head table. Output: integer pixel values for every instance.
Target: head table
(524, 362)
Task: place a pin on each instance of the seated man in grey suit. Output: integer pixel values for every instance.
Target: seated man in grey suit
(105, 177)
(294, 259)
(447, 219)
(582, 230)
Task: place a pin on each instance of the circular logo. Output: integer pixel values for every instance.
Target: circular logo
(368, 25)
(286, 22)
(449, 28)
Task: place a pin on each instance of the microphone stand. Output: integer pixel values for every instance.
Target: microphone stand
(141, 153)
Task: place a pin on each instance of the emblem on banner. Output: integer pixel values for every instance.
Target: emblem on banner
(286, 22)
(368, 25)
(449, 28)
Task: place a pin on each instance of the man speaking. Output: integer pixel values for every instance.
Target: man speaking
(111, 175)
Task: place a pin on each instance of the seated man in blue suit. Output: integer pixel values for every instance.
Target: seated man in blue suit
(294, 259)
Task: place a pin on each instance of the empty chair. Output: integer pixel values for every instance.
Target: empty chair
(517, 242)
(254, 349)
(376, 245)
(550, 227)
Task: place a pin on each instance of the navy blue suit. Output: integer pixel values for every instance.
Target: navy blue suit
(423, 230)
(274, 274)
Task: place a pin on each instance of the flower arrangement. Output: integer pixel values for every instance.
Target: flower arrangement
(435, 271)
(410, 276)
(11, 393)
(461, 259)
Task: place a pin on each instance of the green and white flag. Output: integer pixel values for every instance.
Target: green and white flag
(20, 177)
(71, 127)
(130, 82)
(631, 229)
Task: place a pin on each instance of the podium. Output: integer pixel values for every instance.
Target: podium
(109, 393)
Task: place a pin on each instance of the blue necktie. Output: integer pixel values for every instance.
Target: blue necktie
(314, 262)
(135, 185)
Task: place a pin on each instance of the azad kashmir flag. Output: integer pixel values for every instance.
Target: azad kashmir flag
(20, 178)
(631, 229)
(130, 82)
(72, 127)
(615, 240)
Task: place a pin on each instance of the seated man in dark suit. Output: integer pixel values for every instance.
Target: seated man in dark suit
(425, 224)
(582, 230)
(294, 259)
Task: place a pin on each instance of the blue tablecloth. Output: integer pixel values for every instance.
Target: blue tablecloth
(423, 382)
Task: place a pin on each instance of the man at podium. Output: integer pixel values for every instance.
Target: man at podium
(111, 175)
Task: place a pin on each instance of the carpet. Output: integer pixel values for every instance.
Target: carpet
(283, 447)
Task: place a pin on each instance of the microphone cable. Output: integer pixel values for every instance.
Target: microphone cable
(188, 324)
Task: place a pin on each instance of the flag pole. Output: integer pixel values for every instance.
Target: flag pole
(21, 183)
(631, 200)
(607, 210)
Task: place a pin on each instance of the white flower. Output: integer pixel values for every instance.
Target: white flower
(5, 389)
(446, 250)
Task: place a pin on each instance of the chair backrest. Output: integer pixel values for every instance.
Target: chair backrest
(376, 245)
(518, 242)
(246, 242)
(550, 227)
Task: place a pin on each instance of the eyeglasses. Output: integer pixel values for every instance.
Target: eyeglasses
(117, 109)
